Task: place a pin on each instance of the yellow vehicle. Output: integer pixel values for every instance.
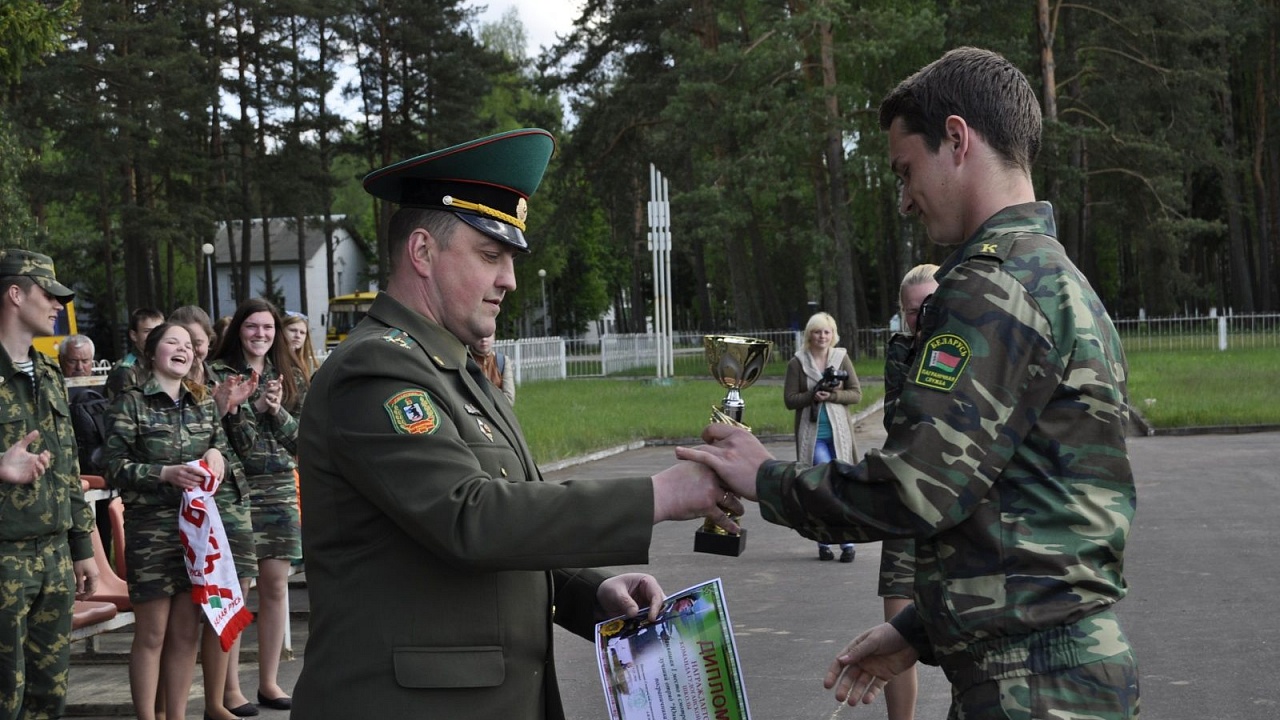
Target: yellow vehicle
(65, 326)
(344, 312)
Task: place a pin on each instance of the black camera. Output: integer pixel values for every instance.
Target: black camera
(832, 378)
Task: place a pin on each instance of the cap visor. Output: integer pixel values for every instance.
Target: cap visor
(63, 293)
(496, 229)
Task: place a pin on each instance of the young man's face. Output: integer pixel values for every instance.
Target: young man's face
(39, 310)
(928, 184)
(139, 335)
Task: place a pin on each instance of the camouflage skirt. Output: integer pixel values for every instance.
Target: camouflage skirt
(277, 526)
(153, 551)
(897, 568)
(238, 522)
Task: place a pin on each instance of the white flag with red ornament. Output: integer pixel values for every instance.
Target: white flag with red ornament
(214, 584)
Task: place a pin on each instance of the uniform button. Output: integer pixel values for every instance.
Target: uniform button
(504, 472)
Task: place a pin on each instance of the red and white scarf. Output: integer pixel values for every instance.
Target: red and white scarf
(214, 584)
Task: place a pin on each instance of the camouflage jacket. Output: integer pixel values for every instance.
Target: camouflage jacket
(128, 373)
(147, 430)
(1005, 458)
(898, 354)
(265, 443)
(54, 504)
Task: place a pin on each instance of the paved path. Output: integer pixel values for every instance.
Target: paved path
(1202, 612)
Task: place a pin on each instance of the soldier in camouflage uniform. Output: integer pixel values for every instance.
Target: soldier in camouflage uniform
(266, 440)
(898, 555)
(130, 372)
(1006, 454)
(46, 549)
(153, 431)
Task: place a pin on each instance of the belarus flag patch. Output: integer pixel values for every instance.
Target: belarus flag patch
(944, 358)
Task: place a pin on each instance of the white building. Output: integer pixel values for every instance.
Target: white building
(350, 268)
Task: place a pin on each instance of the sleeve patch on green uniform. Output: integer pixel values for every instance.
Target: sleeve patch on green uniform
(943, 359)
(412, 413)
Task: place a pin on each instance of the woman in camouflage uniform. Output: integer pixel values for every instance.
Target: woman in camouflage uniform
(214, 661)
(154, 430)
(898, 555)
(265, 440)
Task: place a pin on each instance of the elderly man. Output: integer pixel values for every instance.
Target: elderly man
(75, 356)
(46, 550)
(437, 557)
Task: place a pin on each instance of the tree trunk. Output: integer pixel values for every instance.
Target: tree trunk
(1241, 265)
(846, 268)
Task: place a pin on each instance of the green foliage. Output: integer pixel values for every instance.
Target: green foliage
(29, 30)
(16, 226)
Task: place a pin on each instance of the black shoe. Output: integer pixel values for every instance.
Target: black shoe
(846, 555)
(824, 553)
(245, 710)
(280, 703)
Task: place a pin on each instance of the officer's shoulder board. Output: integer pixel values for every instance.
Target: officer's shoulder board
(399, 338)
(995, 247)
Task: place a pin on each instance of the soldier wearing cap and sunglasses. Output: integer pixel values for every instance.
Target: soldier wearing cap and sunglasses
(46, 550)
(437, 557)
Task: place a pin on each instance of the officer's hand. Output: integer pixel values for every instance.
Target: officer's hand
(688, 490)
(625, 594)
(733, 453)
(86, 572)
(20, 466)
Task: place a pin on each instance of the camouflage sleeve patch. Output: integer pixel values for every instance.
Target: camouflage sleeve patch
(412, 413)
(944, 358)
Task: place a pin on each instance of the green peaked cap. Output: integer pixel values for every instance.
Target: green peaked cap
(485, 182)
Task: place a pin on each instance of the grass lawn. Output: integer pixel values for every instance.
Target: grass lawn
(571, 417)
(561, 419)
(1197, 388)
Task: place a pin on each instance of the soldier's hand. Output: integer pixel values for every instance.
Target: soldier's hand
(733, 453)
(20, 466)
(868, 663)
(86, 572)
(183, 477)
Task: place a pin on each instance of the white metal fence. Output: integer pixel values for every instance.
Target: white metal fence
(557, 358)
(1203, 332)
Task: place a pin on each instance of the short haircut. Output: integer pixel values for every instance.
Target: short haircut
(23, 282)
(982, 87)
(823, 321)
(439, 223)
(72, 342)
(137, 316)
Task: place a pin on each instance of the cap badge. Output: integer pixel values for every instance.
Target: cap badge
(522, 211)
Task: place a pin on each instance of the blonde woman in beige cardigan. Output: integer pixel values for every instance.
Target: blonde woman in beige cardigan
(821, 386)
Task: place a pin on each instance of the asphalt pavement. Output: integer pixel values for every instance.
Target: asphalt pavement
(1201, 612)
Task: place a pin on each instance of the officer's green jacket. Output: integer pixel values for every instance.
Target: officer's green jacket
(1005, 458)
(436, 555)
(53, 506)
(147, 430)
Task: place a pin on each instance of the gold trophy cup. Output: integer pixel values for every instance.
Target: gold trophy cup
(736, 363)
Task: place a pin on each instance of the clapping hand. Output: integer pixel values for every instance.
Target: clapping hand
(20, 466)
(233, 391)
(269, 401)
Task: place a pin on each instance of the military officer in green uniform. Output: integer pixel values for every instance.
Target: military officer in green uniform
(437, 556)
(46, 550)
(1006, 454)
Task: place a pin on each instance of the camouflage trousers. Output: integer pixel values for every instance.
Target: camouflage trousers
(37, 591)
(1102, 690)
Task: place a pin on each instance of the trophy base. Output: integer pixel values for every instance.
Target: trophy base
(705, 541)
